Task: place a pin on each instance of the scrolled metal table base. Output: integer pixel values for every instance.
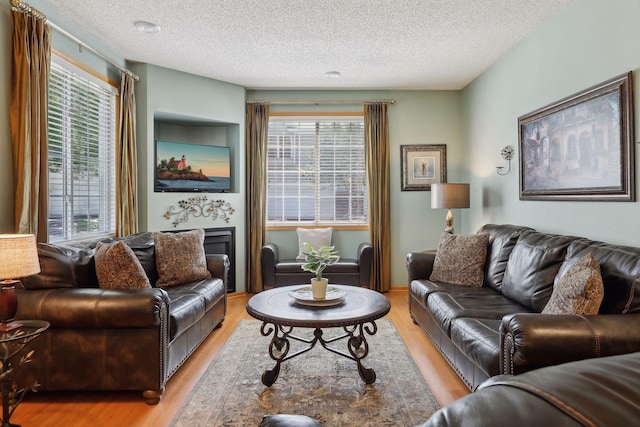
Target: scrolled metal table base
(356, 344)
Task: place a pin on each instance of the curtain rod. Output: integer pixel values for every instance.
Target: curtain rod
(21, 6)
(382, 101)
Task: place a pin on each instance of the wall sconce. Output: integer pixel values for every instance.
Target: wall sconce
(507, 154)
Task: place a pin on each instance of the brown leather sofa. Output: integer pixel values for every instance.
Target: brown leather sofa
(601, 392)
(115, 339)
(282, 272)
(499, 329)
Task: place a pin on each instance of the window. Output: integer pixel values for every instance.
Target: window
(81, 158)
(316, 171)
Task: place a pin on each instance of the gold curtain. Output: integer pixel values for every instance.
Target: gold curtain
(257, 127)
(126, 161)
(28, 118)
(377, 155)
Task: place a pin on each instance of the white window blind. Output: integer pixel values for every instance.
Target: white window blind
(81, 153)
(316, 171)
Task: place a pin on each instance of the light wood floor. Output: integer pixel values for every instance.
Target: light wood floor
(111, 409)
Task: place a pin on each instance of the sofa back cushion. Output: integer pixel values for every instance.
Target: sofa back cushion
(73, 266)
(502, 240)
(63, 267)
(620, 270)
(532, 268)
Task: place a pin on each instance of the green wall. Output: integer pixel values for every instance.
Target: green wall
(196, 108)
(589, 42)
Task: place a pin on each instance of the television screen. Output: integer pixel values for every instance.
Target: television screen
(188, 168)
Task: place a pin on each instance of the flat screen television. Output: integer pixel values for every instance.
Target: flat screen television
(192, 168)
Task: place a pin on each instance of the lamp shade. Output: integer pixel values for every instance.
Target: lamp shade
(449, 196)
(18, 256)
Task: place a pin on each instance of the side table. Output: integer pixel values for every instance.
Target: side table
(12, 344)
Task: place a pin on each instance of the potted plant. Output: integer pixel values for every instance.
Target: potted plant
(315, 262)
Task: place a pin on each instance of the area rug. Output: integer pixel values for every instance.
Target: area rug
(318, 383)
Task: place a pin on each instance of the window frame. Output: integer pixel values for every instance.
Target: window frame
(94, 77)
(292, 225)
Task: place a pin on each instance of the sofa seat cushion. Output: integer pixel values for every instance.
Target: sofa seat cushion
(190, 302)
(422, 288)
(289, 266)
(479, 340)
(484, 303)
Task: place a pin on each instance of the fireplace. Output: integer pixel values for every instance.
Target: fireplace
(222, 240)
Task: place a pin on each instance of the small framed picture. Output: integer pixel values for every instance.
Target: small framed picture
(423, 165)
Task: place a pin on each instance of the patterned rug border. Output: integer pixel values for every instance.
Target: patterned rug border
(427, 402)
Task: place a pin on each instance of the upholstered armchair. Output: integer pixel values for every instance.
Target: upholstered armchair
(348, 271)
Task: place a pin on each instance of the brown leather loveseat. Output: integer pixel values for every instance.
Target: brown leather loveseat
(499, 329)
(115, 339)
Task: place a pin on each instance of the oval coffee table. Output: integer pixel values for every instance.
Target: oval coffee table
(356, 314)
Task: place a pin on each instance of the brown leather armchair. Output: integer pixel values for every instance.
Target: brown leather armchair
(282, 272)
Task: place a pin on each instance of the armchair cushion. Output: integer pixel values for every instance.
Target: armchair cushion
(316, 237)
(118, 268)
(180, 257)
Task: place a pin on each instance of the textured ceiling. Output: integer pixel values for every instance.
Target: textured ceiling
(374, 44)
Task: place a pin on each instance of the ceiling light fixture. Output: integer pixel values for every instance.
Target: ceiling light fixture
(332, 74)
(147, 27)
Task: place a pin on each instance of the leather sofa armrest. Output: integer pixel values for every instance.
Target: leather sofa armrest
(218, 265)
(269, 258)
(532, 340)
(364, 259)
(420, 264)
(94, 308)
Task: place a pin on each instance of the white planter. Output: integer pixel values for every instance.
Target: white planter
(319, 288)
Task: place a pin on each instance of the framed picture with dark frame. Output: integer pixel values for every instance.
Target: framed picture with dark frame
(581, 147)
(423, 165)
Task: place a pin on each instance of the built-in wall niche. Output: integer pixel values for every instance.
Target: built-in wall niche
(193, 130)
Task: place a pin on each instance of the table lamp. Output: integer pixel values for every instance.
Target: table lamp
(449, 196)
(18, 258)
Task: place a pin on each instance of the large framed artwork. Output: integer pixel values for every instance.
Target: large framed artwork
(581, 147)
(423, 165)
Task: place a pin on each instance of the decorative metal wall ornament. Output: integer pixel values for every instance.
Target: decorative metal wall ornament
(199, 206)
(507, 154)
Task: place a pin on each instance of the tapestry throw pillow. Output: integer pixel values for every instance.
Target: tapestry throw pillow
(180, 257)
(117, 267)
(579, 291)
(460, 259)
(316, 237)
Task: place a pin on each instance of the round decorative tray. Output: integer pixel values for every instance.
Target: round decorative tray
(304, 296)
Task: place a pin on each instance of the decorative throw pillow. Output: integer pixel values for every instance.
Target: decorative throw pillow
(316, 237)
(180, 257)
(460, 259)
(579, 291)
(117, 267)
